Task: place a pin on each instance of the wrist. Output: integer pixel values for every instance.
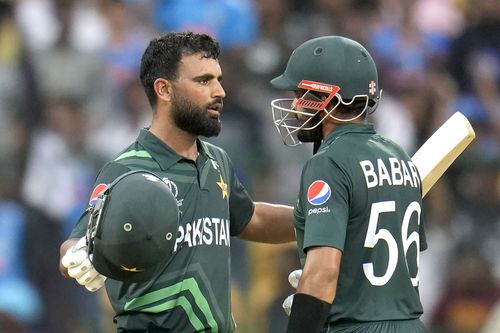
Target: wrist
(308, 314)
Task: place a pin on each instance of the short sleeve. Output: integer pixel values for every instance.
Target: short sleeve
(106, 175)
(241, 206)
(325, 198)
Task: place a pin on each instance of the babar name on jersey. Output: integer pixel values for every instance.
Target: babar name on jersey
(390, 171)
(204, 231)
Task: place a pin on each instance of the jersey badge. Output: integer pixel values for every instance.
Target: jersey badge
(98, 190)
(223, 187)
(175, 190)
(318, 193)
(372, 87)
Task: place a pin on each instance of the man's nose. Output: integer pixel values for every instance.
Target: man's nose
(219, 91)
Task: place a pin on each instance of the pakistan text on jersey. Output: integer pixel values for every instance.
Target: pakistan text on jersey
(391, 171)
(204, 231)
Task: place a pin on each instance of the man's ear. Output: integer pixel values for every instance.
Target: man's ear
(163, 89)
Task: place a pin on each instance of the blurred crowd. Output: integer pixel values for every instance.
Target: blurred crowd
(70, 99)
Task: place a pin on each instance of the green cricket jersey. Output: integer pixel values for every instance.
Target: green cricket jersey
(192, 294)
(361, 193)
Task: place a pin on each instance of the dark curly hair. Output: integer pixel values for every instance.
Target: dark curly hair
(163, 54)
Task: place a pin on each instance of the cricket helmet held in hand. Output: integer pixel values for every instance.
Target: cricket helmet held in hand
(330, 71)
(133, 227)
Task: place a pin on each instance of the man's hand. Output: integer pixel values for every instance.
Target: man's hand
(77, 261)
(293, 279)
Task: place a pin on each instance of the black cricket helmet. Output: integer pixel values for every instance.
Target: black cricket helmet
(331, 70)
(133, 227)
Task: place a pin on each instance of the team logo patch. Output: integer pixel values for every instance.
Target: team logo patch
(372, 87)
(318, 193)
(98, 190)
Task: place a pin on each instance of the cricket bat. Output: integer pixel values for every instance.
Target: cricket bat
(435, 156)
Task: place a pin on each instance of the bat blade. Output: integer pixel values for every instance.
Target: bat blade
(436, 155)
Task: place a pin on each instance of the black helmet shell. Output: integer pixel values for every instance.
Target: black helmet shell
(135, 221)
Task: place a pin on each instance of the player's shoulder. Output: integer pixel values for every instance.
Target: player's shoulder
(214, 151)
(385, 140)
(135, 156)
(211, 148)
(391, 145)
(346, 150)
(322, 160)
(120, 164)
(133, 151)
(110, 171)
(354, 146)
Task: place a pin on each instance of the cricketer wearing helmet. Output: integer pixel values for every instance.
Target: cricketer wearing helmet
(358, 218)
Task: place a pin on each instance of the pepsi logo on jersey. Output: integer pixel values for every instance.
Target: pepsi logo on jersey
(318, 193)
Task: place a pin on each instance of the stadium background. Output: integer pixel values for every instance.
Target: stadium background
(70, 99)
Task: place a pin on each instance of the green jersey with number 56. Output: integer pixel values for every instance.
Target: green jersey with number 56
(361, 193)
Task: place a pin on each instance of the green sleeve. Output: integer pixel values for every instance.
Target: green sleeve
(106, 175)
(326, 217)
(241, 206)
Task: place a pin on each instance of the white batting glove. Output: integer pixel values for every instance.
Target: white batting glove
(293, 279)
(77, 261)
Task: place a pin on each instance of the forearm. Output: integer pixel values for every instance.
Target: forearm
(319, 284)
(316, 290)
(270, 223)
(320, 274)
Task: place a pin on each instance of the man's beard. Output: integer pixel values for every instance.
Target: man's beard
(194, 119)
(313, 135)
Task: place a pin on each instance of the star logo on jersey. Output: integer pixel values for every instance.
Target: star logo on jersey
(98, 190)
(223, 187)
(318, 193)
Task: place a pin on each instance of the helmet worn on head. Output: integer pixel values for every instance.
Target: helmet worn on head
(336, 67)
(132, 227)
(332, 60)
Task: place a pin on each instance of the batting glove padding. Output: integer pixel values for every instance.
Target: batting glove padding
(77, 261)
(293, 279)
